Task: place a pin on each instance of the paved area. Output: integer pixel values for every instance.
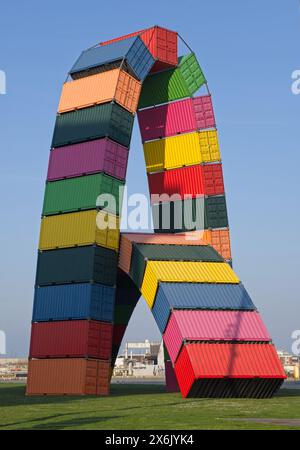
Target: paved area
(282, 422)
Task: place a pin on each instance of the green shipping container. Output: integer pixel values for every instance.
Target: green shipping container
(173, 84)
(143, 252)
(179, 216)
(105, 120)
(74, 194)
(216, 212)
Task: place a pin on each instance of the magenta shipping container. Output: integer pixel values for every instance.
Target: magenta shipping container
(177, 117)
(212, 326)
(100, 155)
(171, 380)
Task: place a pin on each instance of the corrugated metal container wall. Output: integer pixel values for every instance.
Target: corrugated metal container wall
(216, 212)
(213, 326)
(165, 252)
(220, 240)
(142, 253)
(105, 120)
(249, 361)
(198, 296)
(161, 43)
(171, 381)
(167, 120)
(204, 112)
(75, 194)
(209, 146)
(212, 176)
(100, 155)
(173, 84)
(177, 271)
(71, 338)
(183, 116)
(178, 216)
(183, 181)
(103, 87)
(183, 150)
(131, 50)
(149, 238)
(80, 264)
(74, 301)
(68, 376)
(191, 72)
(79, 229)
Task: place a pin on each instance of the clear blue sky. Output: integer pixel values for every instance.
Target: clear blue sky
(248, 51)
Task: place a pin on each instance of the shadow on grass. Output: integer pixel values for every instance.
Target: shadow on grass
(13, 395)
(42, 423)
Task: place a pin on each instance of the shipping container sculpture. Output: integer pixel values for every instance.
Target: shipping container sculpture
(89, 278)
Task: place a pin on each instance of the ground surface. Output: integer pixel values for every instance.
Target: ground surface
(146, 406)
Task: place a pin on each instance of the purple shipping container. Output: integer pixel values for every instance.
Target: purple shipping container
(171, 380)
(196, 325)
(101, 155)
(178, 117)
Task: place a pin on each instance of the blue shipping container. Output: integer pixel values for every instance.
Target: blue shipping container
(198, 296)
(74, 301)
(132, 50)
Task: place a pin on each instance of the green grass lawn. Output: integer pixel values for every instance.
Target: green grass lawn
(141, 407)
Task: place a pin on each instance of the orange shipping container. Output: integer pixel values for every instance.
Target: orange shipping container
(220, 240)
(192, 238)
(101, 88)
(68, 376)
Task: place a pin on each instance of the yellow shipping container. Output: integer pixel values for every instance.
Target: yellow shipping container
(184, 272)
(182, 150)
(79, 228)
(101, 88)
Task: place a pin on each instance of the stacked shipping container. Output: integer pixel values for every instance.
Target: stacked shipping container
(77, 304)
(214, 339)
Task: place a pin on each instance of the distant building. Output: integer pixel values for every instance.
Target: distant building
(290, 363)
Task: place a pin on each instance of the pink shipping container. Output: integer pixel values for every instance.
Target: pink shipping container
(183, 116)
(191, 325)
(171, 380)
(100, 155)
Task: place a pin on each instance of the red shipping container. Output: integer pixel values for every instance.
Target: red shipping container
(226, 361)
(197, 325)
(100, 155)
(171, 381)
(161, 43)
(192, 180)
(212, 176)
(68, 376)
(71, 338)
(182, 181)
(183, 116)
